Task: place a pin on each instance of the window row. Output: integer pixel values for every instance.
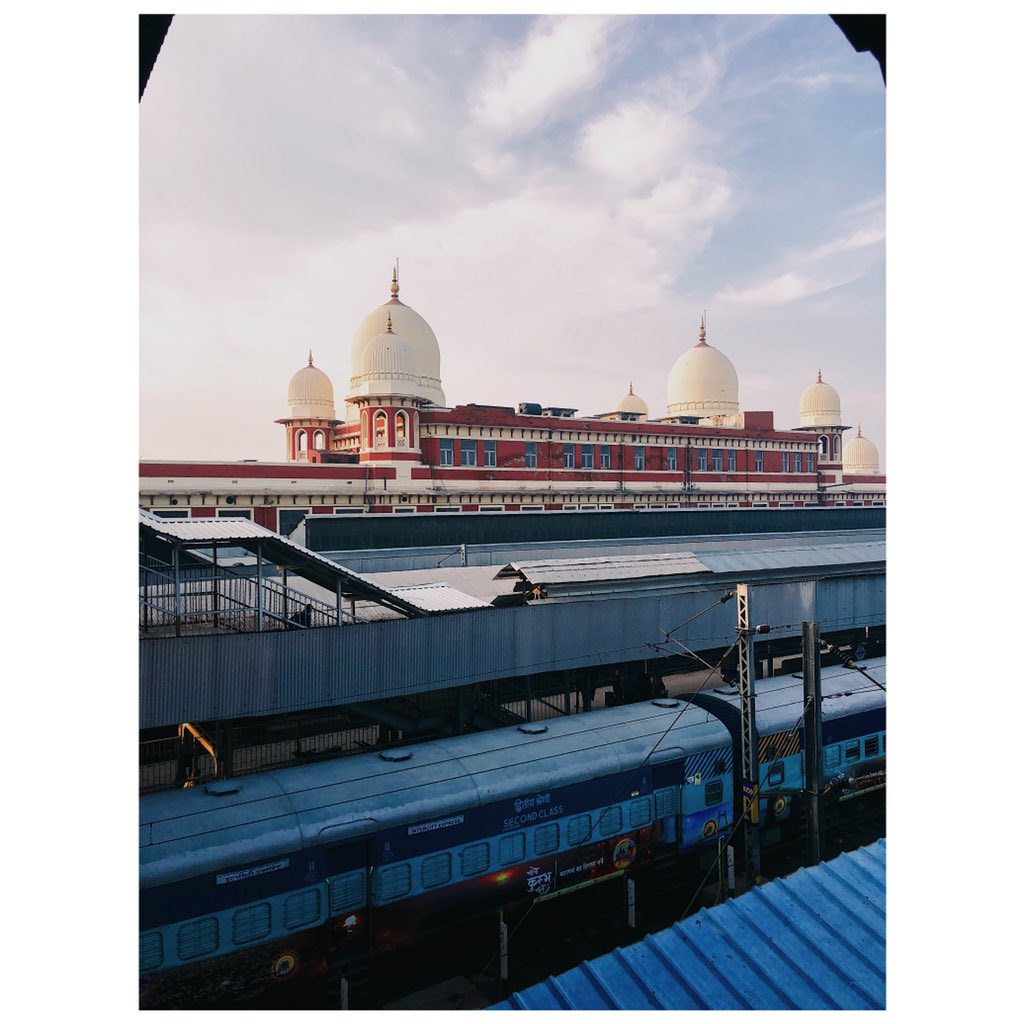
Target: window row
(852, 751)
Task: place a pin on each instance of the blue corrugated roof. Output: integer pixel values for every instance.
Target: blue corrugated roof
(812, 941)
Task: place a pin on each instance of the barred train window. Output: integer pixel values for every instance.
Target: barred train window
(610, 821)
(475, 859)
(853, 751)
(346, 892)
(250, 923)
(713, 793)
(871, 746)
(665, 802)
(198, 938)
(578, 829)
(512, 848)
(640, 812)
(151, 951)
(436, 870)
(833, 756)
(302, 908)
(395, 882)
(545, 838)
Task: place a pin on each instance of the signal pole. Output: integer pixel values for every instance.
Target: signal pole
(748, 736)
(812, 739)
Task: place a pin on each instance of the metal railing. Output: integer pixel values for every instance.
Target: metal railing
(205, 599)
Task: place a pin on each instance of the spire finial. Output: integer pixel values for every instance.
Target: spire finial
(394, 280)
(310, 357)
(702, 333)
(388, 330)
(858, 430)
(819, 376)
(631, 387)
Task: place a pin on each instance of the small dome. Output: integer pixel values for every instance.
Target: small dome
(311, 394)
(417, 335)
(634, 404)
(703, 382)
(387, 361)
(819, 405)
(860, 456)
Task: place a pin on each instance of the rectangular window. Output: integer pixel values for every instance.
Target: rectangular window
(490, 453)
(810, 463)
(587, 456)
(702, 459)
(250, 924)
(346, 892)
(467, 453)
(610, 821)
(545, 838)
(713, 793)
(606, 456)
(833, 756)
(198, 938)
(436, 870)
(798, 462)
(151, 951)
(731, 465)
(871, 746)
(302, 908)
(665, 802)
(578, 829)
(447, 451)
(670, 458)
(758, 462)
(569, 455)
(476, 859)
(638, 457)
(233, 513)
(785, 462)
(640, 812)
(394, 882)
(531, 454)
(853, 751)
(512, 849)
(170, 513)
(777, 775)
(716, 459)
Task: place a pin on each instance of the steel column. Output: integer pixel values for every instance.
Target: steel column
(751, 775)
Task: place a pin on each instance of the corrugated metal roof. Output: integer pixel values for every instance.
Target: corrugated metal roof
(590, 570)
(794, 557)
(812, 941)
(438, 597)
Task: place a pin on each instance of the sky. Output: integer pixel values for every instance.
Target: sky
(566, 195)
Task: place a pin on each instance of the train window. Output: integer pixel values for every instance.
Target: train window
(610, 821)
(777, 775)
(871, 746)
(853, 751)
(346, 892)
(250, 923)
(198, 938)
(665, 802)
(832, 756)
(151, 951)
(512, 849)
(713, 793)
(578, 830)
(302, 908)
(436, 870)
(545, 838)
(640, 812)
(883, 741)
(475, 859)
(395, 882)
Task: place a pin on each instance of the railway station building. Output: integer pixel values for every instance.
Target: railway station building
(397, 447)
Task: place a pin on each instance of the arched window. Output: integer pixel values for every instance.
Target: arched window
(401, 430)
(380, 430)
(366, 429)
(300, 441)
(318, 440)
(823, 446)
(837, 447)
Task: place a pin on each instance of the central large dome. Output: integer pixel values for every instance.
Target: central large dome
(417, 335)
(703, 382)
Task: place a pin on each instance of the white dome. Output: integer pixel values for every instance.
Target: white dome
(311, 394)
(388, 366)
(417, 335)
(819, 405)
(703, 382)
(633, 403)
(860, 456)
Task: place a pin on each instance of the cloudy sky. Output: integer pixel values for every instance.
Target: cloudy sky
(565, 195)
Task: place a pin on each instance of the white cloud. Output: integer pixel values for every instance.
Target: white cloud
(857, 240)
(637, 142)
(785, 288)
(562, 57)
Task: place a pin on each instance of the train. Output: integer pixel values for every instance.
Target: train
(254, 884)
